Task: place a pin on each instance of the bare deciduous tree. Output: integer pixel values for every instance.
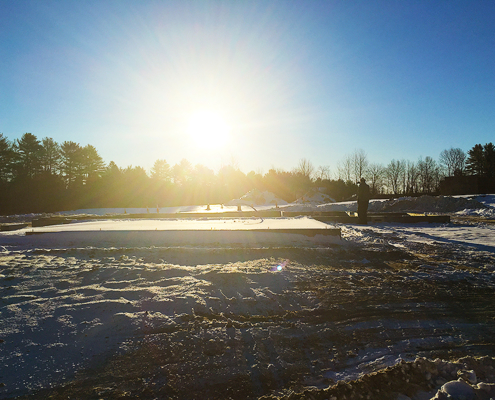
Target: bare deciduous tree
(394, 175)
(453, 161)
(359, 164)
(344, 169)
(305, 168)
(353, 167)
(411, 177)
(428, 174)
(375, 175)
(323, 172)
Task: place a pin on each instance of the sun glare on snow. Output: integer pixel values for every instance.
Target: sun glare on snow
(208, 129)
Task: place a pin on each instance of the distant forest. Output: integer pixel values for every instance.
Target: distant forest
(45, 176)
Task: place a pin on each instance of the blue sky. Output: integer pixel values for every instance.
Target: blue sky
(291, 79)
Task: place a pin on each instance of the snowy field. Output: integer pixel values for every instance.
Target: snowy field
(88, 316)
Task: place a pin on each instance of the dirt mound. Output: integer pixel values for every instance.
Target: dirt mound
(439, 204)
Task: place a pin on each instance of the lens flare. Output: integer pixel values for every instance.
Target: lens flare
(280, 266)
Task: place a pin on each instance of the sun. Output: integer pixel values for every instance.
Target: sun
(208, 129)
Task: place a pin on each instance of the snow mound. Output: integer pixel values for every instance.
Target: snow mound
(420, 379)
(483, 213)
(486, 199)
(440, 204)
(315, 196)
(431, 204)
(255, 197)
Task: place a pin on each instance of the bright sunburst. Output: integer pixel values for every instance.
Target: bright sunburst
(208, 130)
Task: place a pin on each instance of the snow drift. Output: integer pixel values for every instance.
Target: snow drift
(314, 197)
(257, 198)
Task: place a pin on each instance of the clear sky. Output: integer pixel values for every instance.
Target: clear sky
(263, 82)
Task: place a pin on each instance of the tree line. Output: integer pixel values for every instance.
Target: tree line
(420, 177)
(45, 176)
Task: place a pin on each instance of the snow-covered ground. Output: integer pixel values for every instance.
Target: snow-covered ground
(130, 318)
